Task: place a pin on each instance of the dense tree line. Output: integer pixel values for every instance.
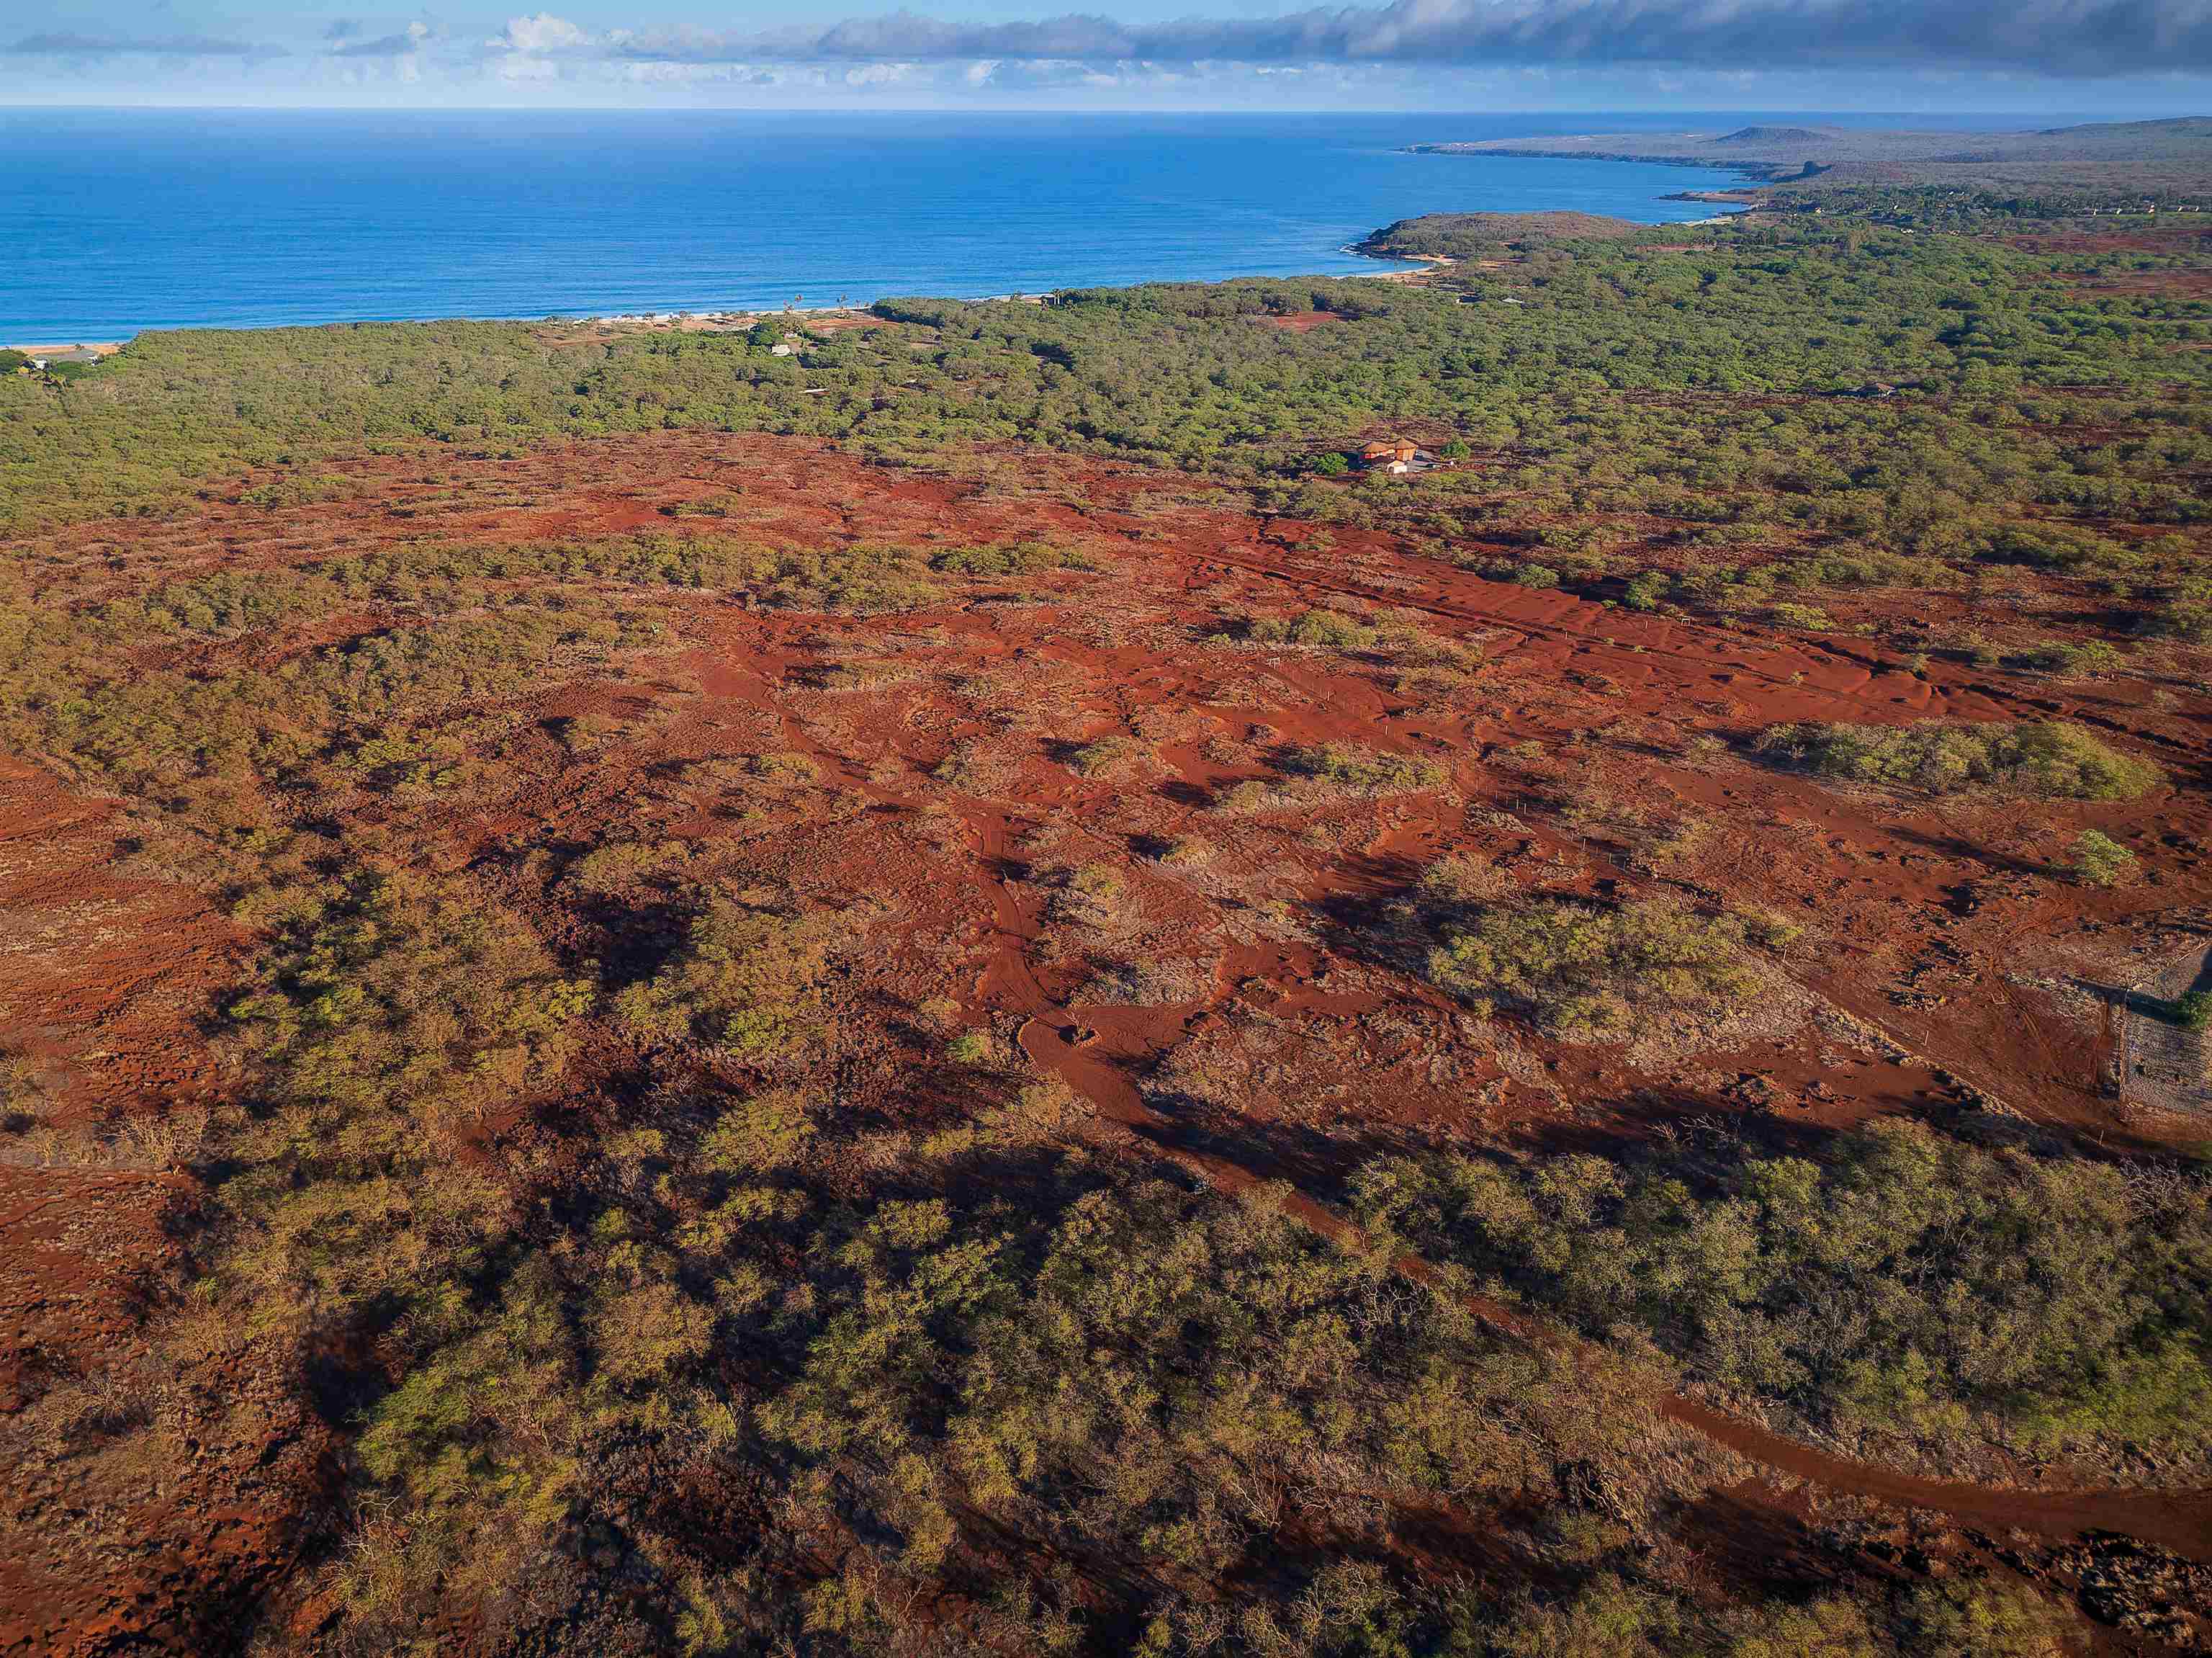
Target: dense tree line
(1601, 376)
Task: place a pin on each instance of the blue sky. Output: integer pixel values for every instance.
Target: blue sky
(2114, 58)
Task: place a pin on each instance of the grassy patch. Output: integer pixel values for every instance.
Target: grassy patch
(1010, 558)
(1582, 971)
(2053, 759)
(1369, 770)
(746, 976)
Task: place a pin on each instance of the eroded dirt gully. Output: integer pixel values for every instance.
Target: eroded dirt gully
(1232, 980)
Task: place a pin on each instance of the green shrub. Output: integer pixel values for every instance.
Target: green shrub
(1582, 970)
(746, 978)
(2182, 609)
(972, 1048)
(2068, 659)
(2101, 861)
(1329, 629)
(767, 1131)
(2051, 759)
(1334, 629)
(1368, 770)
(623, 864)
(1984, 1617)
(1012, 558)
(1769, 931)
(1103, 755)
(2058, 546)
(1809, 618)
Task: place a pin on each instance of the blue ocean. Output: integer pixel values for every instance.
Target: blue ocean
(113, 221)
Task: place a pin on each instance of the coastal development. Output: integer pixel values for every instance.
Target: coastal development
(1511, 962)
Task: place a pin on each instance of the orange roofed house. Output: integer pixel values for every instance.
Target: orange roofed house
(1395, 455)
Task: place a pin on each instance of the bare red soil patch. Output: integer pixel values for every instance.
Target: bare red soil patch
(107, 968)
(105, 971)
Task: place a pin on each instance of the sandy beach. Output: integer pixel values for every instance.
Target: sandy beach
(105, 347)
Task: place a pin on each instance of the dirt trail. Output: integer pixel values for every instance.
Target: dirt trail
(2178, 1521)
(1091, 1062)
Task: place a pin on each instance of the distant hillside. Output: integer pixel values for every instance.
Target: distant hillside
(1772, 134)
(2170, 157)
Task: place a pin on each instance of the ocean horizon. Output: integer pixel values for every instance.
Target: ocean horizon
(121, 221)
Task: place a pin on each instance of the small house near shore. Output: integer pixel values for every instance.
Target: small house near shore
(81, 357)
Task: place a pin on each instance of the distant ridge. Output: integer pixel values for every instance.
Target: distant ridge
(1772, 135)
(2112, 161)
(2170, 126)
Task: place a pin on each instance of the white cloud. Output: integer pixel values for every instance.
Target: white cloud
(1414, 54)
(2068, 38)
(541, 35)
(666, 73)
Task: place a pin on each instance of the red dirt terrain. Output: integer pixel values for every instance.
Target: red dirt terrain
(1061, 808)
(106, 973)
